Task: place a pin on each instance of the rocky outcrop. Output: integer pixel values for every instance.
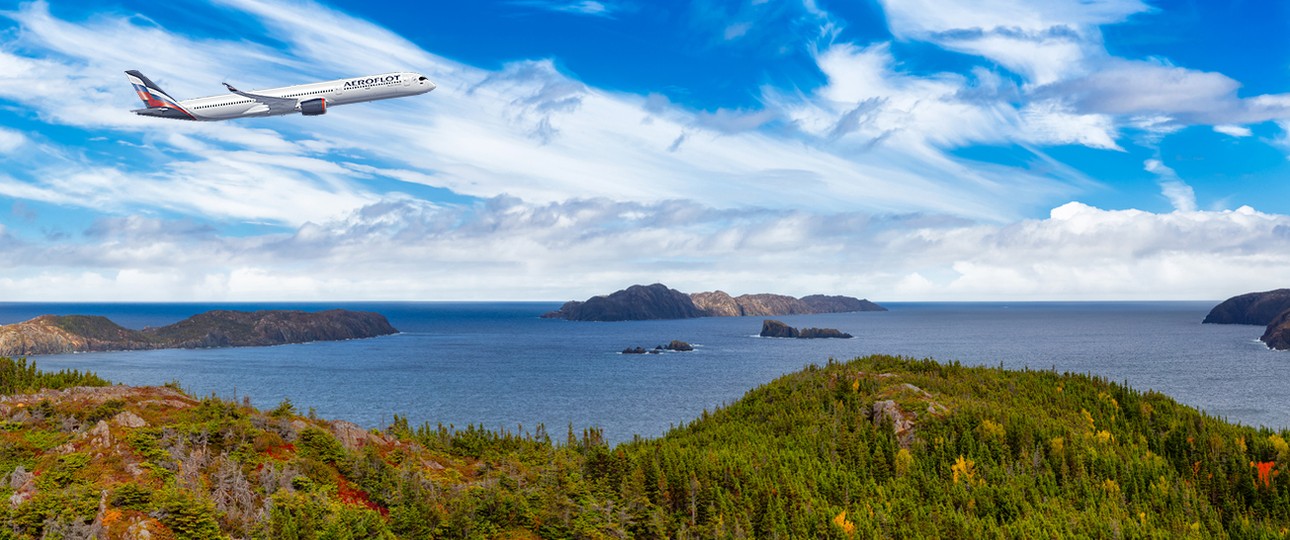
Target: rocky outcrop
(678, 346)
(1277, 336)
(53, 334)
(777, 329)
(814, 333)
(1253, 308)
(656, 301)
(675, 345)
(770, 328)
(635, 303)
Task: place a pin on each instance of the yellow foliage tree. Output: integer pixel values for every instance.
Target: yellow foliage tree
(841, 521)
(964, 469)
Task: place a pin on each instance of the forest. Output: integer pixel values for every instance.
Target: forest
(875, 447)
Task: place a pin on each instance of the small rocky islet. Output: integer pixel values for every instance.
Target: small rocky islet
(675, 345)
(778, 329)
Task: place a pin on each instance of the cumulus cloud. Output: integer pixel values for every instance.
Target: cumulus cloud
(517, 250)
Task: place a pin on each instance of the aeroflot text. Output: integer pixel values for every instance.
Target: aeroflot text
(373, 80)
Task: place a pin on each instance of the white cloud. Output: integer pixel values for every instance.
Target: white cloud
(851, 187)
(1056, 47)
(10, 140)
(1043, 41)
(1233, 131)
(1180, 195)
(580, 7)
(540, 120)
(517, 250)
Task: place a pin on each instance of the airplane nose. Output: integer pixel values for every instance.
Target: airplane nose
(432, 85)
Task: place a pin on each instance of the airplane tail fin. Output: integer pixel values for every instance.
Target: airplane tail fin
(158, 102)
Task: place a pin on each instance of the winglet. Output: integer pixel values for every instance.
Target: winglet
(230, 87)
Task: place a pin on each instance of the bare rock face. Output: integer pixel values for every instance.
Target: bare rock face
(1252, 308)
(1277, 336)
(353, 437)
(100, 436)
(887, 412)
(764, 305)
(717, 304)
(128, 419)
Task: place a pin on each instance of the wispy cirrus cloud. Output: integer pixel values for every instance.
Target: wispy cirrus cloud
(540, 119)
(579, 7)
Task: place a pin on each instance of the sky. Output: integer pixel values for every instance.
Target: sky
(899, 150)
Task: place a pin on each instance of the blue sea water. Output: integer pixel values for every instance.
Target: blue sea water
(500, 366)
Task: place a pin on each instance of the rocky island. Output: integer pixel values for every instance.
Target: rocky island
(1251, 308)
(1270, 308)
(58, 334)
(675, 345)
(658, 301)
(777, 329)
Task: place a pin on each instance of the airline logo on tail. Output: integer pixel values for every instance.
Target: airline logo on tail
(152, 95)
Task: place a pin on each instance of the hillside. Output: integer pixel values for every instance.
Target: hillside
(57, 334)
(875, 447)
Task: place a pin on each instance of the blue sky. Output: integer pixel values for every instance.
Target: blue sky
(899, 150)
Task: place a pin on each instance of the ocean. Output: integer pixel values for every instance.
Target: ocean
(498, 365)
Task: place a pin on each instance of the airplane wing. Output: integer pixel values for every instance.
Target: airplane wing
(276, 105)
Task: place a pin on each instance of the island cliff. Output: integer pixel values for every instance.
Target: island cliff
(657, 301)
(1252, 308)
(58, 334)
(1271, 308)
(1277, 335)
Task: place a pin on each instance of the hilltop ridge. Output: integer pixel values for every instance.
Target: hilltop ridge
(872, 448)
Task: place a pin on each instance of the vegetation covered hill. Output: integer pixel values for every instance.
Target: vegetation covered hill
(57, 334)
(878, 447)
(658, 301)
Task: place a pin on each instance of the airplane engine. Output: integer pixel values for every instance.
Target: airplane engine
(313, 107)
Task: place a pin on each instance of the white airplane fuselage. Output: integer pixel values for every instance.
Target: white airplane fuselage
(308, 99)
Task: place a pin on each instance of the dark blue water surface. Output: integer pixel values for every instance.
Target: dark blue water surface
(500, 366)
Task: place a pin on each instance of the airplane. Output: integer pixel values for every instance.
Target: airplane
(307, 99)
